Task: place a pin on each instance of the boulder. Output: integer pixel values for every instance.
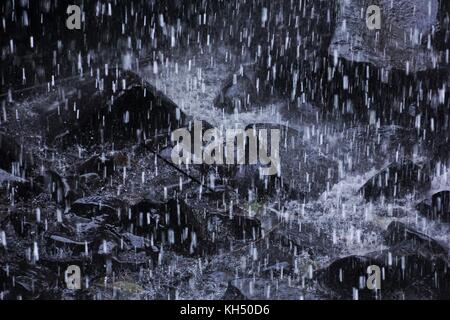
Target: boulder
(348, 274)
(404, 275)
(302, 170)
(404, 40)
(238, 93)
(15, 159)
(95, 206)
(21, 281)
(397, 180)
(172, 224)
(233, 293)
(61, 189)
(414, 266)
(116, 108)
(398, 232)
(102, 165)
(436, 208)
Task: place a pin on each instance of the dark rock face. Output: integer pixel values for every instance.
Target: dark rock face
(93, 206)
(103, 166)
(246, 228)
(62, 189)
(238, 94)
(442, 38)
(438, 208)
(414, 267)
(103, 117)
(397, 233)
(397, 180)
(441, 154)
(292, 167)
(233, 293)
(348, 274)
(305, 171)
(115, 108)
(375, 60)
(172, 224)
(48, 27)
(14, 159)
(354, 41)
(295, 68)
(26, 282)
(10, 152)
(83, 180)
(299, 171)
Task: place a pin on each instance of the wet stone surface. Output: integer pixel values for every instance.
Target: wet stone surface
(87, 176)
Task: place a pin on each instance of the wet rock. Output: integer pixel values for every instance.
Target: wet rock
(245, 174)
(278, 268)
(267, 289)
(109, 109)
(436, 208)
(183, 229)
(96, 246)
(396, 181)
(75, 237)
(246, 228)
(7, 177)
(233, 293)
(302, 170)
(387, 47)
(414, 267)
(21, 281)
(404, 275)
(103, 166)
(76, 247)
(290, 165)
(27, 222)
(106, 248)
(142, 218)
(298, 237)
(136, 242)
(14, 160)
(238, 93)
(398, 232)
(298, 112)
(293, 69)
(11, 152)
(90, 180)
(94, 206)
(118, 108)
(130, 260)
(372, 61)
(236, 226)
(17, 188)
(348, 274)
(172, 224)
(441, 156)
(392, 211)
(125, 290)
(61, 189)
